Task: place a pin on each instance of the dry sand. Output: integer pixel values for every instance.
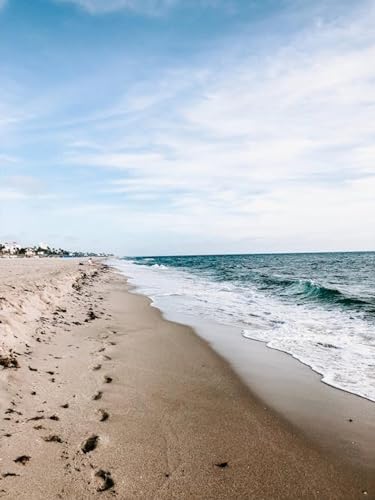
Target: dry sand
(111, 400)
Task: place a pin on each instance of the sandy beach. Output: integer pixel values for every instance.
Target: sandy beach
(102, 397)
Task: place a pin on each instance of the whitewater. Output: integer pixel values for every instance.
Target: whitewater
(319, 308)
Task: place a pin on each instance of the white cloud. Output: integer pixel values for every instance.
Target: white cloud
(242, 151)
(277, 149)
(17, 188)
(7, 160)
(152, 7)
(148, 7)
(11, 195)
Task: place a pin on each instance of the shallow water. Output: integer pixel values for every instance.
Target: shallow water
(320, 308)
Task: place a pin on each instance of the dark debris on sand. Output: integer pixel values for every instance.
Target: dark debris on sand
(91, 316)
(53, 438)
(222, 465)
(33, 419)
(9, 361)
(23, 459)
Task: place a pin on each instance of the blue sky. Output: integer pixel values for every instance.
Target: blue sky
(188, 126)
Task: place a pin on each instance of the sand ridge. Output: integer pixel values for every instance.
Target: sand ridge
(44, 300)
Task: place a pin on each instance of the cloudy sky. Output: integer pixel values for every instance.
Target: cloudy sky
(188, 126)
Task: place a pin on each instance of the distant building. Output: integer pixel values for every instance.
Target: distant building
(30, 252)
(42, 250)
(11, 248)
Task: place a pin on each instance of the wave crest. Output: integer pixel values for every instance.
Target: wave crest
(310, 290)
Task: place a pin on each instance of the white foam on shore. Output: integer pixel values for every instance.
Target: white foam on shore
(335, 344)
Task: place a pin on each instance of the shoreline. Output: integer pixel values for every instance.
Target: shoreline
(179, 422)
(338, 421)
(315, 321)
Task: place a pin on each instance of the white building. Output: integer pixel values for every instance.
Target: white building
(11, 248)
(30, 252)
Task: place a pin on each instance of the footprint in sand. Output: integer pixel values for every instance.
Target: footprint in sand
(90, 444)
(23, 459)
(104, 480)
(98, 395)
(104, 415)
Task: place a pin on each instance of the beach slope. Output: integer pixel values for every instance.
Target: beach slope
(101, 396)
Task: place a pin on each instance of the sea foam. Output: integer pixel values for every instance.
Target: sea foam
(336, 341)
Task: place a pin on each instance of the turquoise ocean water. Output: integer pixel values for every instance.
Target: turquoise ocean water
(320, 308)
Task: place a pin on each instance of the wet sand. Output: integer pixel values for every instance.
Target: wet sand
(339, 422)
(102, 397)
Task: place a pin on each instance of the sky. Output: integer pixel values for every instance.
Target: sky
(156, 127)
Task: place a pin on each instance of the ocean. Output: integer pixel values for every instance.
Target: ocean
(320, 307)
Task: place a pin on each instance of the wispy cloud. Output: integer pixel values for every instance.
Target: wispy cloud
(147, 7)
(7, 160)
(150, 7)
(23, 187)
(260, 143)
